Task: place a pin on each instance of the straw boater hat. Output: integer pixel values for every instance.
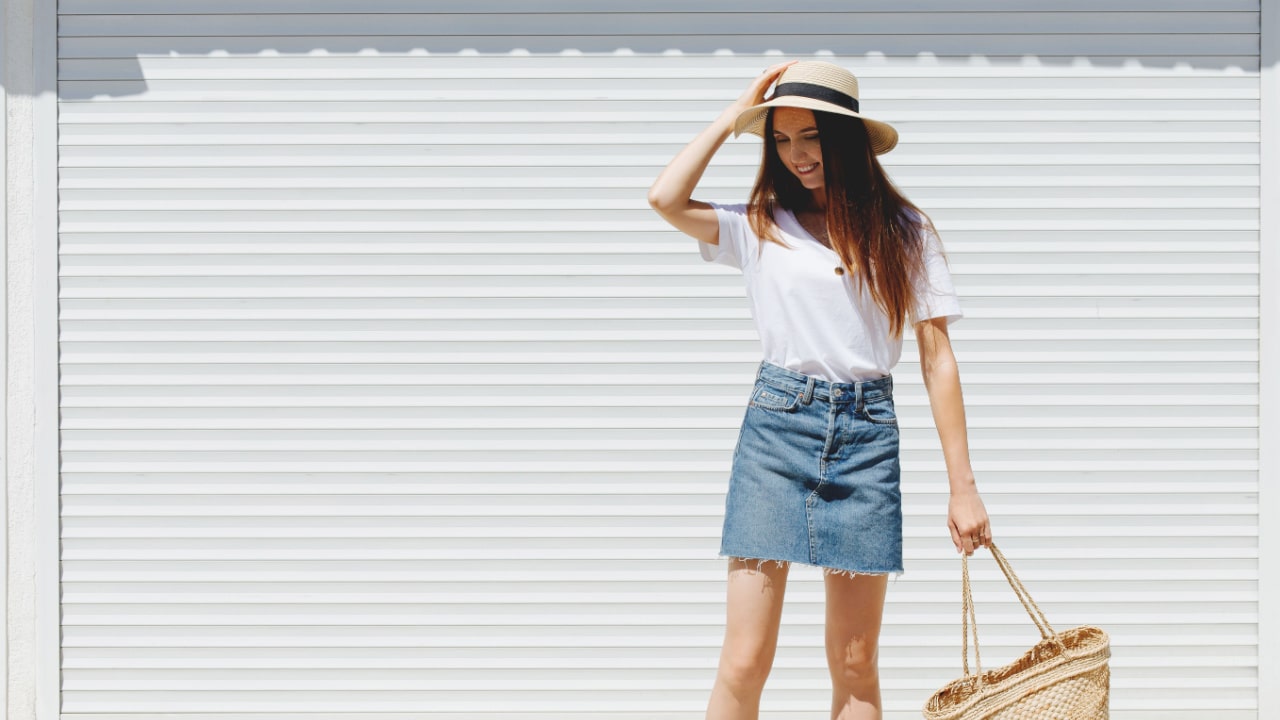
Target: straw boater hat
(817, 85)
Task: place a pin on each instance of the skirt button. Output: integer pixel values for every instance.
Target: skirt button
(839, 270)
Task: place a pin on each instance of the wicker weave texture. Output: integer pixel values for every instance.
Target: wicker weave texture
(1043, 684)
(1065, 676)
(1083, 697)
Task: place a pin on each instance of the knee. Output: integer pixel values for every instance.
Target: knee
(855, 663)
(746, 669)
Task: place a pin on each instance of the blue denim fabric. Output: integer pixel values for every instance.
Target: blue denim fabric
(815, 475)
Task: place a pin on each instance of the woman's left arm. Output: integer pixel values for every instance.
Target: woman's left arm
(966, 514)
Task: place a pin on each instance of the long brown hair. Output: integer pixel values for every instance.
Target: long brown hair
(869, 222)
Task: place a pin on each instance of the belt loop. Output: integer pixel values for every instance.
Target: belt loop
(858, 396)
(808, 390)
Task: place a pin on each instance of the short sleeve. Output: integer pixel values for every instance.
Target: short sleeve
(936, 297)
(735, 238)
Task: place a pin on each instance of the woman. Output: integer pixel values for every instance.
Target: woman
(815, 474)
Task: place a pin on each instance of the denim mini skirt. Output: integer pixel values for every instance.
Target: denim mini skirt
(815, 476)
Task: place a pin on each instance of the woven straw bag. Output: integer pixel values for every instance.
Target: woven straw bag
(1066, 675)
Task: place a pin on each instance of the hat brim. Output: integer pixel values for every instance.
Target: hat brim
(883, 136)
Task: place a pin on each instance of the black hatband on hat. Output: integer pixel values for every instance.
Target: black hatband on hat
(817, 92)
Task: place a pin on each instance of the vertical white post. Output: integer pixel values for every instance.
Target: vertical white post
(4, 353)
(1269, 367)
(44, 303)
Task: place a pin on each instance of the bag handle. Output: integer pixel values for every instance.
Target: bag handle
(968, 615)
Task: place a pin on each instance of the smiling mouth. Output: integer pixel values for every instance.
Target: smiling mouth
(806, 169)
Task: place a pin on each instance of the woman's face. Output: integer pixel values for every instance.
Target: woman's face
(796, 133)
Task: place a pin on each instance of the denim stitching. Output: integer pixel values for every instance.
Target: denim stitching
(790, 398)
(822, 478)
(868, 416)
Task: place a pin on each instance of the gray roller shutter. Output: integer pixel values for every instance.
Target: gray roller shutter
(384, 394)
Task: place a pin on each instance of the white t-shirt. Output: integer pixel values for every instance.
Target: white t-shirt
(810, 318)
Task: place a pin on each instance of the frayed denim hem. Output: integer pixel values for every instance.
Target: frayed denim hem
(825, 570)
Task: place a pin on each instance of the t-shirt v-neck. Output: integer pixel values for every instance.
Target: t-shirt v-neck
(804, 233)
(810, 318)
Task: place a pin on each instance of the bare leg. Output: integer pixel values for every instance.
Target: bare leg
(754, 612)
(855, 606)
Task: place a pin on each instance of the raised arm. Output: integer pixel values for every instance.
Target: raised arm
(670, 194)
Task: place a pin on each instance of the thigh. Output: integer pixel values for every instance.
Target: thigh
(855, 607)
(754, 608)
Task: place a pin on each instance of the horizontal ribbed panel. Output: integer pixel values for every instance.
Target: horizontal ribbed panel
(385, 395)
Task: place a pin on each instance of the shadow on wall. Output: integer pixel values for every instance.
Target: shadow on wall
(102, 48)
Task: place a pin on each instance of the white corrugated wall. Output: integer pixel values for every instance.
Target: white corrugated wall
(385, 395)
